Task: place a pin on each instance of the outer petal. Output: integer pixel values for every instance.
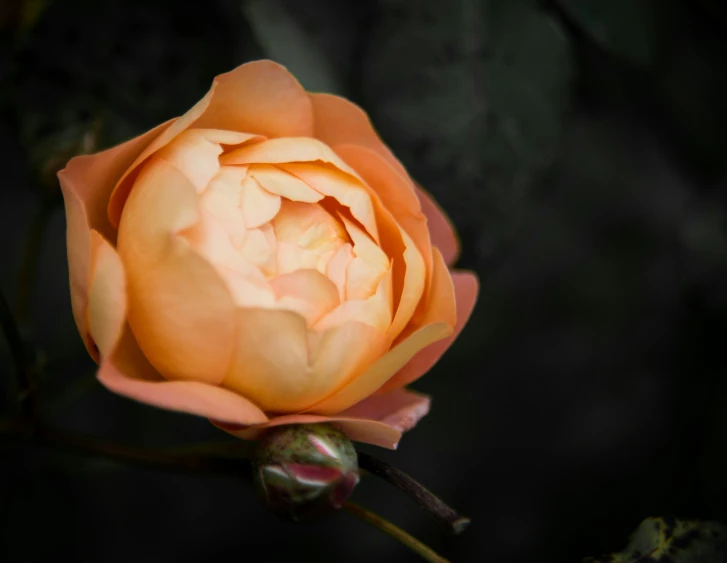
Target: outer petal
(441, 230)
(341, 122)
(260, 97)
(180, 309)
(86, 183)
(465, 288)
(124, 368)
(283, 367)
(127, 372)
(378, 420)
(106, 295)
(437, 323)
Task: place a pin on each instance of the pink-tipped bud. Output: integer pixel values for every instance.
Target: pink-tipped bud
(305, 471)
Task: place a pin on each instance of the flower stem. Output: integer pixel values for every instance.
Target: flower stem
(440, 511)
(425, 552)
(24, 376)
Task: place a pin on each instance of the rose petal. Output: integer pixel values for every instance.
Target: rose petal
(195, 153)
(120, 193)
(396, 191)
(177, 300)
(278, 182)
(287, 150)
(127, 372)
(106, 295)
(382, 370)
(282, 367)
(342, 187)
(258, 205)
(338, 121)
(437, 323)
(259, 97)
(465, 288)
(86, 183)
(441, 230)
(307, 292)
(378, 420)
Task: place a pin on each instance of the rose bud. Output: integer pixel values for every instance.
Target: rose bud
(264, 260)
(304, 471)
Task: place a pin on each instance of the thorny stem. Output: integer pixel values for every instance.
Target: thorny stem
(441, 512)
(395, 532)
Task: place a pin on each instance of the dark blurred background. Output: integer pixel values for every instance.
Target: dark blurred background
(579, 147)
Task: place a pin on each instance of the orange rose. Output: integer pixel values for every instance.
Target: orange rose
(263, 260)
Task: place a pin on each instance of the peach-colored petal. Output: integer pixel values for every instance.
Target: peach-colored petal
(195, 153)
(439, 304)
(259, 97)
(437, 323)
(377, 420)
(176, 127)
(86, 184)
(258, 205)
(382, 370)
(106, 295)
(307, 292)
(338, 121)
(278, 182)
(374, 311)
(368, 266)
(400, 408)
(287, 150)
(180, 309)
(441, 229)
(282, 367)
(343, 188)
(465, 288)
(337, 267)
(359, 430)
(127, 372)
(415, 281)
(397, 192)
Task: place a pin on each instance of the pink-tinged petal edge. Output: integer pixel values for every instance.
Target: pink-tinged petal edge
(466, 288)
(379, 420)
(441, 230)
(127, 372)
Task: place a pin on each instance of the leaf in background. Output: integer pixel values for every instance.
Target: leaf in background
(126, 65)
(313, 39)
(471, 95)
(666, 540)
(623, 27)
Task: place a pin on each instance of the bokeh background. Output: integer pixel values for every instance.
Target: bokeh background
(579, 147)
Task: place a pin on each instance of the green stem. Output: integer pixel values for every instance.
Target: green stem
(425, 552)
(24, 376)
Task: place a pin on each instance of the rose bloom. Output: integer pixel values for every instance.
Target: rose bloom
(262, 260)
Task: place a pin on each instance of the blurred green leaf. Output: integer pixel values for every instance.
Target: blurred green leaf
(666, 540)
(282, 36)
(623, 27)
(472, 96)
